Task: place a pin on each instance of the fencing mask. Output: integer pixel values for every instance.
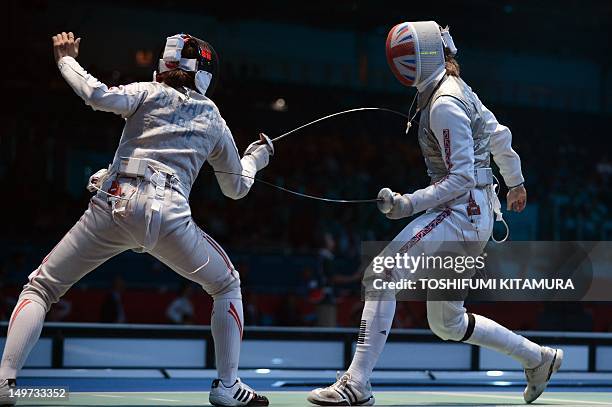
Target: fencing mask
(202, 60)
(415, 51)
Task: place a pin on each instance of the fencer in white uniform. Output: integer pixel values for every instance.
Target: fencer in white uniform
(142, 202)
(457, 135)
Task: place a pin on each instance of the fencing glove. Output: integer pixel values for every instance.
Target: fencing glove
(260, 150)
(394, 205)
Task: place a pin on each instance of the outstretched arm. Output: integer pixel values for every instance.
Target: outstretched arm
(235, 175)
(121, 100)
(451, 127)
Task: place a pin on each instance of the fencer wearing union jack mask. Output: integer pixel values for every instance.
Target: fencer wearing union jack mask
(457, 135)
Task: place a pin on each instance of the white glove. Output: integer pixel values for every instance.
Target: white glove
(394, 205)
(97, 179)
(260, 150)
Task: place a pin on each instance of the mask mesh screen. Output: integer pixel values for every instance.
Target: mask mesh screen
(431, 49)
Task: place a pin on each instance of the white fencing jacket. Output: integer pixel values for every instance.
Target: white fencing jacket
(176, 132)
(451, 126)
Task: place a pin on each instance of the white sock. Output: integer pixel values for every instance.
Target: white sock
(376, 321)
(226, 324)
(492, 335)
(24, 330)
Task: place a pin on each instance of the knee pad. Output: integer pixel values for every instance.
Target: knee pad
(449, 323)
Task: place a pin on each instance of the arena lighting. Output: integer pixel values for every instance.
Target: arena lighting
(501, 383)
(144, 58)
(279, 105)
(263, 371)
(495, 373)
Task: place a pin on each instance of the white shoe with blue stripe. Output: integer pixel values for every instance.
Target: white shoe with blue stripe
(239, 394)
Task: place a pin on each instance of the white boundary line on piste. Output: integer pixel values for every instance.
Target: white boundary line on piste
(174, 401)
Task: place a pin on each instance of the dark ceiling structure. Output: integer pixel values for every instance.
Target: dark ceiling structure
(569, 28)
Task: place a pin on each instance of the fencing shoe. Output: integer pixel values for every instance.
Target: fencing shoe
(5, 393)
(538, 377)
(239, 394)
(345, 392)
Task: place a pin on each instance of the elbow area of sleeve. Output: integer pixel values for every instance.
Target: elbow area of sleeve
(101, 99)
(236, 195)
(95, 99)
(239, 189)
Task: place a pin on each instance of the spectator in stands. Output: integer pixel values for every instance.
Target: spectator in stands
(112, 307)
(289, 314)
(604, 168)
(251, 310)
(180, 311)
(322, 293)
(558, 177)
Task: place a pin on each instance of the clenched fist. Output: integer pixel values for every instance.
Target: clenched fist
(517, 198)
(64, 45)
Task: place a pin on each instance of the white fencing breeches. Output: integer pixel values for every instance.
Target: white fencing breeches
(448, 319)
(101, 234)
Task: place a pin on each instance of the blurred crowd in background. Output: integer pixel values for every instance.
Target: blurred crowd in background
(298, 258)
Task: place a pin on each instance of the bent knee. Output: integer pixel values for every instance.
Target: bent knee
(229, 288)
(448, 330)
(38, 296)
(448, 326)
(44, 289)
